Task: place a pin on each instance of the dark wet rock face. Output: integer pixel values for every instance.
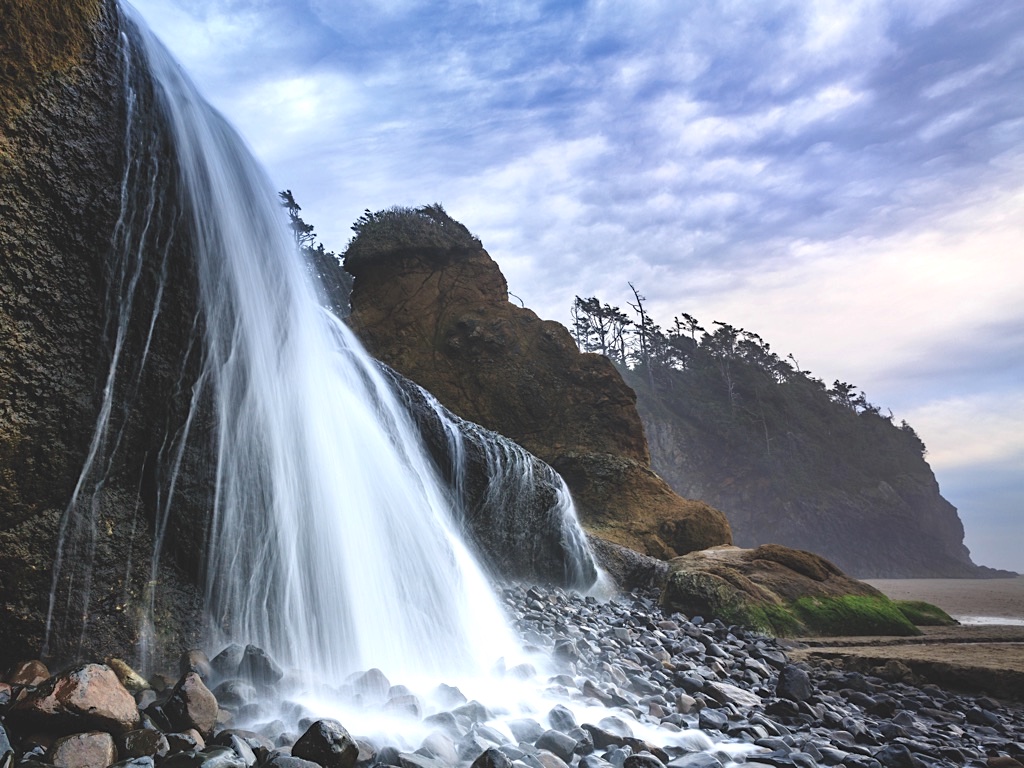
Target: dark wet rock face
(513, 506)
(63, 158)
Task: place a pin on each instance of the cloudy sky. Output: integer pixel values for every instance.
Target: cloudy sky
(844, 178)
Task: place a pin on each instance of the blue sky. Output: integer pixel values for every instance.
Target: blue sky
(844, 178)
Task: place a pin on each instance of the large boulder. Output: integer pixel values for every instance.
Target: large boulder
(779, 590)
(429, 301)
(87, 698)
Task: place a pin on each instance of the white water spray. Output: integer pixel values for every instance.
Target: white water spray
(332, 546)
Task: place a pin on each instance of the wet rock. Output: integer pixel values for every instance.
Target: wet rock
(185, 741)
(327, 743)
(83, 750)
(584, 741)
(244, 751)
(416, 760)
(558, 743)
(192, 705)
(472, 745)
(32, 672)
(232, 694)
(255, 741)
(89, 697)
(440, 747)
(601, 737)
(278, 759)
(695, 760)
(142, 742)
(642, 761)
(525, 729)
(474, 711)
(492, 758)
(226, 663)
(712, 719)
(405, 703)
(794, 684)
(725, 693)
(373, 685)
(897, 756)
(257, 667)
(449, 695)
(446, 722)
(135, 762)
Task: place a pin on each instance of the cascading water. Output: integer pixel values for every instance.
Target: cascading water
(515, 508)
(332, 544)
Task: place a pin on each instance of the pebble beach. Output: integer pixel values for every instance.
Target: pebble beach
(628, 687)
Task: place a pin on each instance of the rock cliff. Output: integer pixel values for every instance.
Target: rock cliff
(62, 162)
(849, 486)
(429, 301)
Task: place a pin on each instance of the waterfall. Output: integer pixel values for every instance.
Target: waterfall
(332, 544)
(515, 508)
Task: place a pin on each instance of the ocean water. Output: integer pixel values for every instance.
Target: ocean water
(969, 601)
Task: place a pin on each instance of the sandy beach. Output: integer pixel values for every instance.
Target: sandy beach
(983, 655)
(970, 601)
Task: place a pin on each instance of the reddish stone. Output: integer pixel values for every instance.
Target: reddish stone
(31, 672)
(192, 705)
(83, 750)
(88, 697)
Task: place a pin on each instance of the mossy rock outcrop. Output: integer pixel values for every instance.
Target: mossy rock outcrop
(780, 591)
(430, 302)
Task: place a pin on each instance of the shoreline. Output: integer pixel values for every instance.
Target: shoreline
(987, 599)
(983, 654)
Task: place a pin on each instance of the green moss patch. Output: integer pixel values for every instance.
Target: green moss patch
(852, 615)
(922, 614)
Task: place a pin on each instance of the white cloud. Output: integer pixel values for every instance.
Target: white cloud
(865, 309)
(289, 113)
(970, 431)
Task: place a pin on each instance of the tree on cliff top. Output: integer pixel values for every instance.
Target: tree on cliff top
(754, 408)
(323, 265)
(394, 229)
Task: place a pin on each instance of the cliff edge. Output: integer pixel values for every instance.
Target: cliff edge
(429, 301)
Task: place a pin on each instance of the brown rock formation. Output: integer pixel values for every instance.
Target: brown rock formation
(439, 314)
